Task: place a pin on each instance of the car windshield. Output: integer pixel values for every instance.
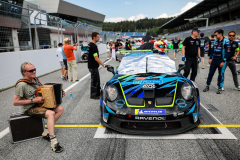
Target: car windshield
(146, 63)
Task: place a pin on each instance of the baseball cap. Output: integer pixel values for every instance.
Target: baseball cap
(196, 29)
(66, 39)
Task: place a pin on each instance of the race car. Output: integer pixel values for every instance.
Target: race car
(122, 53)
(148, 96)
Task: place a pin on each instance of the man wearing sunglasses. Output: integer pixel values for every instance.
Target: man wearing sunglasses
(232, 58)
(26, 98)
(218, 60)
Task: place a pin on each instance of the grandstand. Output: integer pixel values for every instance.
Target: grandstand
(221, 14)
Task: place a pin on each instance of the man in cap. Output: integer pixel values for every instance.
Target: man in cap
(191, 53)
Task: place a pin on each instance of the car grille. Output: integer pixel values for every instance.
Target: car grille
(150, 125)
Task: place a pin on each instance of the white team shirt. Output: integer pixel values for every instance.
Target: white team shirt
(59, 53)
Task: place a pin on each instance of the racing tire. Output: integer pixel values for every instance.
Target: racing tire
(85, 56)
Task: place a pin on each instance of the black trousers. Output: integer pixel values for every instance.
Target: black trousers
(191, 63)
(232, 67)
(95, 83)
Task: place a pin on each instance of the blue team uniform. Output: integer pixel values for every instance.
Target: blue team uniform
(219, 54)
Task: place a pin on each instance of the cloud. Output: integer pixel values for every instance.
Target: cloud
(132, 18)
(127, 3)
(135, 18)
(184, 9)
(117, 19)
(199, 0)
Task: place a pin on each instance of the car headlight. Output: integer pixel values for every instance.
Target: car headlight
(112, 92)
(186, 91)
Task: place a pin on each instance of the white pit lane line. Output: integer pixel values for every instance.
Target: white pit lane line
(6, 131)
(225, 134)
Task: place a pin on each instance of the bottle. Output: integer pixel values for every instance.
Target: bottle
(71, 96)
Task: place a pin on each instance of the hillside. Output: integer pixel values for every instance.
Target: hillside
(152, 26)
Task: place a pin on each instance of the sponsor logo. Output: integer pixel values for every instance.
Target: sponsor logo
(151, 86)
(181, 113)
(151, 118)
(148, 82)
(181, 103)
(121, 113)
(150, 111)
(141, 78)
(149, 102)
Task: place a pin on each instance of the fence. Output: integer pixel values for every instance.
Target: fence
(226, 26)
(30, 28)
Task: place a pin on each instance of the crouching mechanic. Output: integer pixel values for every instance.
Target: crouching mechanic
(25, 97)
(218, 59)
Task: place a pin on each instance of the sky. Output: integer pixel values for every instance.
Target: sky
(116, 11)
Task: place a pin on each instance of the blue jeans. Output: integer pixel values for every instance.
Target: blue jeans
(175, 50)
(215, 64)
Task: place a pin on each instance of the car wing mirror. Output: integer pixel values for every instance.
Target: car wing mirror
(110, 69)
(181, 67)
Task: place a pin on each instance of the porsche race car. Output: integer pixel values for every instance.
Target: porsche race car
(148, 96)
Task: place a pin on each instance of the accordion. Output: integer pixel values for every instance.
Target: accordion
(52, 94)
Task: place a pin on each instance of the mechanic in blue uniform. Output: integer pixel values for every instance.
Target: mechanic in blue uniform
(218, 59)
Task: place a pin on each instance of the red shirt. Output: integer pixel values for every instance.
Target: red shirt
(69, 52)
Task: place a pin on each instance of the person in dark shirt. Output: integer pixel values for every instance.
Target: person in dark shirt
(93, 64)
(218, 58)
(191, 52)
(175, 43)
(232, 58)
(211, 45)
(128, 45)
(203, 42)
(118, 45)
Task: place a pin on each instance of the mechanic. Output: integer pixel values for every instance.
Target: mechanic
(203, 43)
(191, 49)
(218, 59)
(210, 45)
(175, 43)
(93, 64)
(128, 45)
(232, 58)
(26, 98)
(118, 45)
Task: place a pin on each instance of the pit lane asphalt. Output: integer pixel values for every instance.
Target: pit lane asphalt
(79, 143)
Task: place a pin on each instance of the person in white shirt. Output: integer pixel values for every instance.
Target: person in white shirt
(60, 58)
(108, 49)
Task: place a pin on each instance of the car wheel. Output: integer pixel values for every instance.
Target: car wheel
(85, 56)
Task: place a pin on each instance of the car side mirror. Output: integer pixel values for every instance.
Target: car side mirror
(110, 69)
(181, 67)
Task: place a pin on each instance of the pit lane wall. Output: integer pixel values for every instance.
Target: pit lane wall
(44, 60)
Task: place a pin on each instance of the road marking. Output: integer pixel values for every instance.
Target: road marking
(99, 125)
(223, 132)
(6, 131)
(77, 125)
(74, 84)
(210, 113)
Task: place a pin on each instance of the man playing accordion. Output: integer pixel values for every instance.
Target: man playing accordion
(26, 98)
